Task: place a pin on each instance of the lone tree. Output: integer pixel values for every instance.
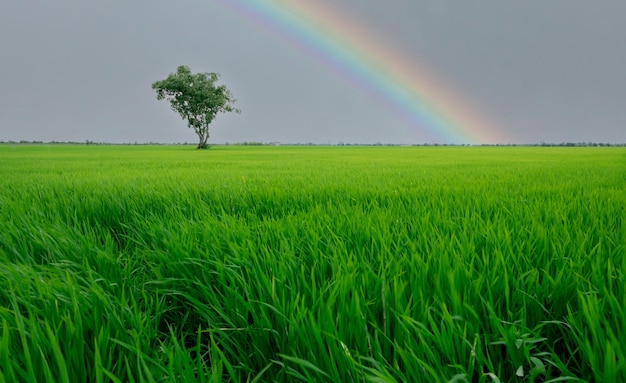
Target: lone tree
(197, 99)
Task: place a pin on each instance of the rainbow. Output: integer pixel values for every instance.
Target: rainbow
(348, 49)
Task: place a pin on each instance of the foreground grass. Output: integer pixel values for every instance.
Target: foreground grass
(150, 264)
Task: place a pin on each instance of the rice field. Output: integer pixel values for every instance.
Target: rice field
(312, 264)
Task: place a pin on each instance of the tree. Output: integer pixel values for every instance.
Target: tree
(197, 98)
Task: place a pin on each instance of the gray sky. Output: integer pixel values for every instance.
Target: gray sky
(537, 70)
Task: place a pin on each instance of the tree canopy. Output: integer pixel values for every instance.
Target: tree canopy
(196, 98)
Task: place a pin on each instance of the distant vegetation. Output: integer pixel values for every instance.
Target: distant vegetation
(275, 143)
(253, 264)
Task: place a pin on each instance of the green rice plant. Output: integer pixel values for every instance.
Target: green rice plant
(154, 264)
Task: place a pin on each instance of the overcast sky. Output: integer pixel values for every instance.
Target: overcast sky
(551, 71)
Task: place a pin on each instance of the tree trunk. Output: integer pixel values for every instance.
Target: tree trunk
(202, 145)
(204, 137)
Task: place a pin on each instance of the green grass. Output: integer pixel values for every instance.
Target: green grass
(253, 264)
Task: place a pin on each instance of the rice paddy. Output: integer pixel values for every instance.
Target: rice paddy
(321, 264)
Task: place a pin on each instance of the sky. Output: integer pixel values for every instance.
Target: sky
(318, 71)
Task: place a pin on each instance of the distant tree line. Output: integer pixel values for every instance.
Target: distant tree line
(566, 144)
(274, 143)
(86, 142)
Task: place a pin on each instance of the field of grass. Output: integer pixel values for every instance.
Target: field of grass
(344, 264)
